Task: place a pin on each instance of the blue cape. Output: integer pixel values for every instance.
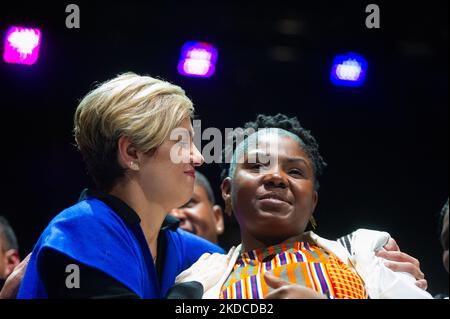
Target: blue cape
(91, 233)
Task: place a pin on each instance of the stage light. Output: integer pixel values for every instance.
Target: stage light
(22, 45)
(349, 70)
(197, 59)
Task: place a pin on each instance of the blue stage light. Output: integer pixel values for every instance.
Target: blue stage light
(349, 70)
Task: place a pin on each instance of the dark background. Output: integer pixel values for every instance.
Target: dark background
(386, 143)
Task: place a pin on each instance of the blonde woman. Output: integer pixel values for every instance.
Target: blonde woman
(117, 241)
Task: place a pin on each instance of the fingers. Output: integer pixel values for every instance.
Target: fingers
(217, 258)
(294, 292)
(204, 256)
(209, 271)
(206, 270)
(188, 272)
(274, 281)
(207, 258)
(22, 266)
(211, 259)
(399, 261)
(12, 284)
(405, 267)
(398, 257)
(422, 284)
(26, 259)
(284, 290)
(281, 292)
(392, 245)
(215, 262)
(276, 294)
(181, 277)
(24, 263)
(213, 267)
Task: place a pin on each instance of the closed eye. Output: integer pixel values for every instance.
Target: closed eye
(189, 204)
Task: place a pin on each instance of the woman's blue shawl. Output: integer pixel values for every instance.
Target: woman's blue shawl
(91, 233)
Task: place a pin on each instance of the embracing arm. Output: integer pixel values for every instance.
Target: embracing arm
(401, 262)
(387, 272)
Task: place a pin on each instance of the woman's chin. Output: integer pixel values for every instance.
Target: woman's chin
(274, 211)
(270, 220)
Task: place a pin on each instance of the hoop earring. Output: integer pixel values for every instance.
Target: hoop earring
(228, 207)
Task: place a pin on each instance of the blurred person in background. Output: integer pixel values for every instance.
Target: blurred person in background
(9, 250)
(201, 216)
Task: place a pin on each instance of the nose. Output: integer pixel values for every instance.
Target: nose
(185, 220)
(178, 213)
(275, 179)
(196, 157)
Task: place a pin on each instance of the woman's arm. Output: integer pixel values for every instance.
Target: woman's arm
(93, 282)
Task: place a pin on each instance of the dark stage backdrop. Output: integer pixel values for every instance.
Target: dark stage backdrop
(386, 143)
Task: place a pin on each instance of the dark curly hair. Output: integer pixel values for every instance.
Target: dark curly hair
(290, 124)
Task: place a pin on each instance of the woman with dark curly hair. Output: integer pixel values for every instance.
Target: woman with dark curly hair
(272, 185)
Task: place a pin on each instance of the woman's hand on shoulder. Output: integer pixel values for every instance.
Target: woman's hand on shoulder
(399, 261)
(207, 270)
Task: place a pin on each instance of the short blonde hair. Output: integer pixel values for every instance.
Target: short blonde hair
(142, 108)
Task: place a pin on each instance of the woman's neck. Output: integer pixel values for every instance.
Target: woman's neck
(152, 214)
(250, 242)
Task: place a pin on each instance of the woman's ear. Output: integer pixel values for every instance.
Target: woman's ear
(12, 260)
(218, 216)
(127, 154)
(226, 195)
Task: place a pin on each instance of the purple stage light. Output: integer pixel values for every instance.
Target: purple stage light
(197, 59)
(349, 70)
(22, 45)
